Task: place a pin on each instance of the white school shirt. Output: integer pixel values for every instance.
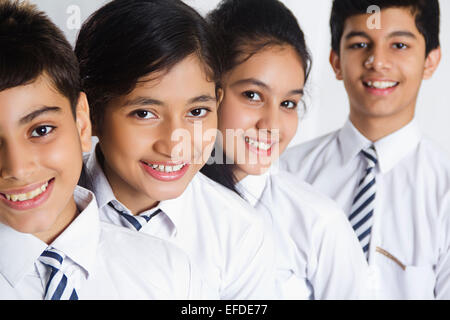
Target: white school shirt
(218, 230)
(317, 254)
(409, 255)
(103, 261)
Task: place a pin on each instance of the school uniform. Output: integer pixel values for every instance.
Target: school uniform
(409, 194)
(317, 254)
(215, 227)
(98, 261)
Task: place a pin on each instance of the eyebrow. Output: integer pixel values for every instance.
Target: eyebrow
(142, 101)
(202, 98)
(391, 35)
(263, 85)
(45, 109)
(146, 101)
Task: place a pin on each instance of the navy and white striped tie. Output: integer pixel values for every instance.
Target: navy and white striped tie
(135, 222)
(361, 217)
(58, 286)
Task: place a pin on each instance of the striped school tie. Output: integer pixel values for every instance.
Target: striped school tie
(134, 222)
(361, 217)
(58, 286)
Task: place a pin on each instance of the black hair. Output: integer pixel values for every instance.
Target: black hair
(426, 12)
(31, 45)
(244, 27)
(247, 26)
(126, 40)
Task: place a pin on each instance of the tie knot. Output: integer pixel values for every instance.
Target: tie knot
(371, 156)
(132, 221)
(52, 257)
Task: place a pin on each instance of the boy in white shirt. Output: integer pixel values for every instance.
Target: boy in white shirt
(52, 244)
(393, 183)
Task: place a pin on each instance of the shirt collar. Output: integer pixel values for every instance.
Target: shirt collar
(104, 193)
(390, 149)
(19, 251)
(99, 184)
(252, 187)
(80, 239)
(175, 208)
(394, 147)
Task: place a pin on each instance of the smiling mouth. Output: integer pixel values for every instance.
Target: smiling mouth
(381, 85)
(26, 196)
(258, 144)
(166, 168)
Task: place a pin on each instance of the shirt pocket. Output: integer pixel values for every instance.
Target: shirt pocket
(410, 283)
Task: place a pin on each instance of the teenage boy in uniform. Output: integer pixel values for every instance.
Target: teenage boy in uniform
(52, 244)
(393, 183)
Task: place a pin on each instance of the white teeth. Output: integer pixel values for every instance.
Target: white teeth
(258, 144)
(27, 196)
(381, 84)
(163, 168)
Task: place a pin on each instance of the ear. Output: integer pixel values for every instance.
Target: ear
(220, 94)
(432, 62)
(335, 62)
(84, 123)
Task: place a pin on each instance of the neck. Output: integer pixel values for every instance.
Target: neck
(63, 220)
(376, 128)
(134, 200)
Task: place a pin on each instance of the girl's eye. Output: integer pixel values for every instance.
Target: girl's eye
(144, 114)
(400, 46)
(42, 131)
(198, 113)
(252, 95)
(361, 45)
(289, 104)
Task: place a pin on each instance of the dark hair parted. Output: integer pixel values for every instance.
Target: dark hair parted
(247, 26)
(426, 12)
(126, 40)
(31, 46)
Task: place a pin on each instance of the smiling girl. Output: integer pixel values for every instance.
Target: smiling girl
(150, 70)
(266, 64)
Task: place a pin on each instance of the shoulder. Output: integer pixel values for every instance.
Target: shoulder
(309, 149)
(220, 197)
(438, 156)
(303, 199)
(139, 247)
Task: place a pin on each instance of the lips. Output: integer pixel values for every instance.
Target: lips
(380, 87)
(258, 146)
(29, 197)
(165, 171)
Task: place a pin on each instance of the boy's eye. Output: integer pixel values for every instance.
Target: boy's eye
(289, 104)
(198, 113)
(360, 45)
(42, 131)
(400, 46)
(144, 114)
(252, 95)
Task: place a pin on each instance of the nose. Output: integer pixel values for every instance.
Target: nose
(269, 117)
(378, 60)
(16, 162)
(173, 140)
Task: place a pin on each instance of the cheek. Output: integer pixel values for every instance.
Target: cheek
(232, 114)
(64, 156)
(117, 138)
(290, 125)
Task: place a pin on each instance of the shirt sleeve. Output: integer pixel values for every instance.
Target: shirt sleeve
(337, 268)
(442, 269)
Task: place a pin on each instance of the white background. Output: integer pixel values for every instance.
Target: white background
(326, 98)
